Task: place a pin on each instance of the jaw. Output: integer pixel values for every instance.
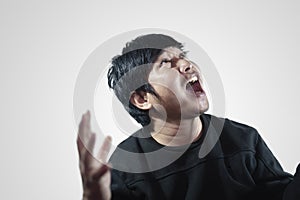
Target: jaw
(179, 99)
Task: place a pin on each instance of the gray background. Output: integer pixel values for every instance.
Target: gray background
(254, 45)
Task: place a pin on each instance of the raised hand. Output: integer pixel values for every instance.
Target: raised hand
(95, 172)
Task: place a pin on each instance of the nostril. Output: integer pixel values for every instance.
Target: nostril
(188, 68)
(184, 66)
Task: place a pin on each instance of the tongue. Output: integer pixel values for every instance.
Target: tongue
(196, 86)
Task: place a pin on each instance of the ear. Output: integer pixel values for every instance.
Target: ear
(140, 100)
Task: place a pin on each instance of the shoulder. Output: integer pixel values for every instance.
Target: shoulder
(131, 143)
(128, 159)
(127, 148)
(234, 136)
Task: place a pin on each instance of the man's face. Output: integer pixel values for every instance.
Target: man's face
(178, 83)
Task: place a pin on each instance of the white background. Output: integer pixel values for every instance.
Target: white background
(255, 46)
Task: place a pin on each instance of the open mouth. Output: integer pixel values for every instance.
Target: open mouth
(194, 86)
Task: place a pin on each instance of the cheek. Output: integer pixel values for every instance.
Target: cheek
(168, 84)
(167, 94)
(164, 77)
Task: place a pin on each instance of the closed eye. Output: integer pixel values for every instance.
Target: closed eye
(182, 56)
(164, 61)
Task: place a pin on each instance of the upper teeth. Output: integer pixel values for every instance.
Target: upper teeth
(193, 80)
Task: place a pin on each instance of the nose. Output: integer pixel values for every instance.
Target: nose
(184, 66)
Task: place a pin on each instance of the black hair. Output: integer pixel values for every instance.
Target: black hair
(137, 58)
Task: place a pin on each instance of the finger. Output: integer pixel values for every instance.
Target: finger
(104, 149)
(88, 154)
(84, 131)
(80, 146)
(83, 156)
(86, 127)
(88, 121)
(81, 136)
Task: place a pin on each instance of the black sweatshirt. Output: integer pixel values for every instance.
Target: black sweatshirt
(240, 166)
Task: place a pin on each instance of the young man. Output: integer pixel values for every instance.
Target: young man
(162, 90)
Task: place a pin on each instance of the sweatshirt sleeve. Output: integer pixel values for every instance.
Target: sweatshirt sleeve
(271, 181)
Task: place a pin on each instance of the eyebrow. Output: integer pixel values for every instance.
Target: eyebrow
(182, 54)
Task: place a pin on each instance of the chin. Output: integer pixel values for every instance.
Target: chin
(203, 107)
(195, 113)
(202, 111)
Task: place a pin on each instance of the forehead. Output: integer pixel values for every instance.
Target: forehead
(171, 52)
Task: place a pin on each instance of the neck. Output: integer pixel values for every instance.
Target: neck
(176, 133)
